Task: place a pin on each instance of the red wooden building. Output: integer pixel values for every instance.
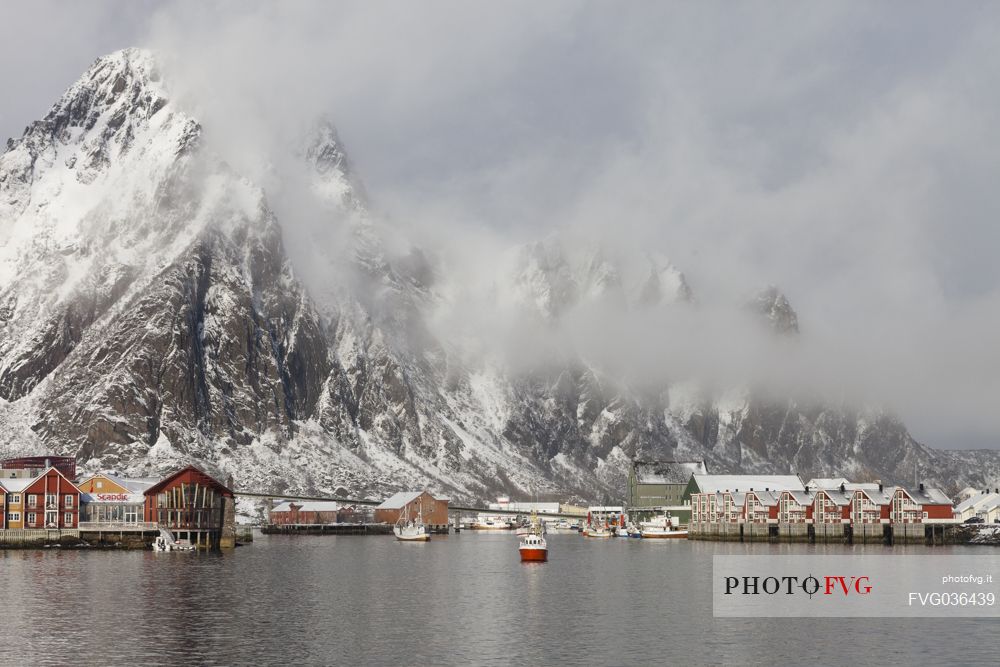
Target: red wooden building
(410, 504)
(761, 506)
(832, 506)
(795, 506)
(51, 501)
(36, 465)
(191, 504)
(934, 504)
(305, 513)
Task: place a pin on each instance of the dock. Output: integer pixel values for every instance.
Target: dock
(830, 533)
(328, 529)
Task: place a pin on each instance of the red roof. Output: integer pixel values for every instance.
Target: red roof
(156, 488)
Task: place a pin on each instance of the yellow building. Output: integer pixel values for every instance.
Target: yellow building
(103, 484)
(109, 499)
(14, 501)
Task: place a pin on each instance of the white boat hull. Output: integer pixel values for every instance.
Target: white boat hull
(656, 534)
(413, 538)
(597, 533)
(411, 533)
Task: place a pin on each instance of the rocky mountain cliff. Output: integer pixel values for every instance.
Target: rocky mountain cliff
(150, 314)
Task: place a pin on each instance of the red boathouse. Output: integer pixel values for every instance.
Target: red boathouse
(192, 505)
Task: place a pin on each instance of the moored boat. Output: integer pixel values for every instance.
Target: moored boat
(165, 542)
(409, 530)
(561, 526)
(662, 527)
(487, 522)
(533, 526)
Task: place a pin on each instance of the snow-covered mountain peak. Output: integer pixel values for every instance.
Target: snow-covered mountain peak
(551, 277)
(156, 307)
(543, 279)
(661, 282)
(774, 306)
(334, 179)
(117, 114)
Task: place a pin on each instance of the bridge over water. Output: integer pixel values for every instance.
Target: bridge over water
(452, 509)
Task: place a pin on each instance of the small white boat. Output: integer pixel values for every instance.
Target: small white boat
(536, 527)
(662, 527)
(486, 522)
(409, 530)
(162, 544)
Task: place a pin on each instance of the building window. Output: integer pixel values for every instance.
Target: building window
(14, 516)
(32, 518)
(69, 500)
(32, 500)
(99, 484)
(15, 499)
(68, 519)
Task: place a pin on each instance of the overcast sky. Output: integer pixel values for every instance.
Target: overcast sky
(845, 152)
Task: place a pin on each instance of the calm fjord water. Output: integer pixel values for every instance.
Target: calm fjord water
(457, 600)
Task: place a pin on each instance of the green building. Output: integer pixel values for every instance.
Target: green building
(661, 486)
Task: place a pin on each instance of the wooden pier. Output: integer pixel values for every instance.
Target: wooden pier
(830, 533)
(329, 529)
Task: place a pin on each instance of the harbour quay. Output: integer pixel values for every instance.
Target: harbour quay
(329, 517)
(45, 504)
(748, 508)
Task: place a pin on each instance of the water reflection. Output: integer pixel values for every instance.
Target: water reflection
(455, 600)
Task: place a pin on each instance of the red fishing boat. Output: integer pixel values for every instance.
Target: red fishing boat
(533, 548)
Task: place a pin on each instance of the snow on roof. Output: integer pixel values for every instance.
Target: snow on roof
(826, 482)
(986, 507)
(981, 500)
(667, 472)
(308, 506)
(399, 500)
(767, 497)
(801, 497)
(968, 492)
(879, 496)
(837, 482)
(713, 483)
(17, 484)
(837, 496)
(134, 484)
(929, 496)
